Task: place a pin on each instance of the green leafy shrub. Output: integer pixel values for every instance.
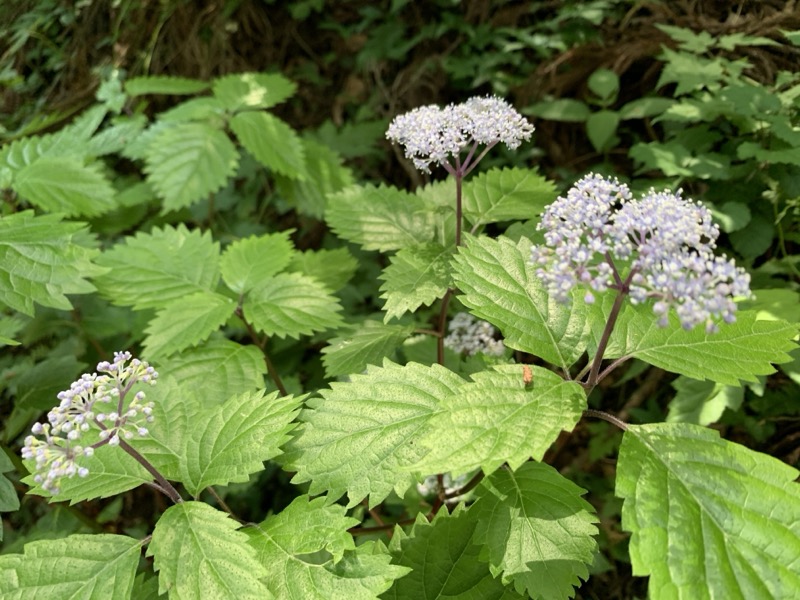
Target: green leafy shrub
(399, 428)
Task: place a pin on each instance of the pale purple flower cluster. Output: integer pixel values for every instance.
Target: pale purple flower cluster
(431, 134)
(659, 247)
(93, 402)
(468, 335)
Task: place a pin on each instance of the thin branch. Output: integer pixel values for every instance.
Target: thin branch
(590, 412)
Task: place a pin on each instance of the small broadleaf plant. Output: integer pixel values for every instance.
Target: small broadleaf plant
(435, 431)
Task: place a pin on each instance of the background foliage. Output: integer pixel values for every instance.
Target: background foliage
(188, 190)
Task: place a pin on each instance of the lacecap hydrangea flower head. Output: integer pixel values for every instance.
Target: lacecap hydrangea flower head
(436, 135)
(93, 403)
(659, 247)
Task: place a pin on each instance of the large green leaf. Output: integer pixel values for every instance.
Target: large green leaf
(252, 90)
(198, 554)
(360, 435)
(710, 518)
(186, 322)
(366, 343)
(444, 562)
(248, 262)
(217, 370)
(65, 185)
(89, 567)
(152, 270)
(41, 260)
(271, 142)
(231, 441)
(379, 218)
(325, 175)
(499, 284)
(285, 542)
(505, 195)
(536, 530)
(417, 275)
(738, 351)
(291, 305)
(111, 471)
(188, 162)
(497, 418)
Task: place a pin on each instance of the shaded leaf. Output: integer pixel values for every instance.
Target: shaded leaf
(152, 270)
(367, 343)
(164, 84)
(186, 322)
(702, 402)
(417, 275)
(189, 161)
(248, 262)
(291, 305)
(536, 530)
(332, 268)
(41, 260)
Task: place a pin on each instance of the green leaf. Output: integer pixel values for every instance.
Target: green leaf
(199, 554)
(732, 216)
(444, 562)
(359, 435)
(248, 262)
(740, 351)
(379, 218)
(41, 260)
(710, 518)
(252, 90)
(536, 530)
(38, 386)
(417, 275)
(506, 195)
(152, 270)
(496, 419)
(189, 161)
(229, 442)
(499, 284)
(111, 471)
(366, 343)
(204, 109)
(563, 109)
(325, 175)
(186, 322)
(332, 268)
(641, 108)
(604, 83)
(291, 305)
(64, 184)
(689, 72)
(217, 370)
(601, 127)
(164, 84)
(287, 543)
(114, 139)
(702, 402)
(271, 142)
(90, 567)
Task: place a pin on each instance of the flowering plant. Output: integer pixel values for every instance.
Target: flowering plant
(421, 459)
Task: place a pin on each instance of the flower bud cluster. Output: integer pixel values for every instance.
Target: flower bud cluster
(468, 335)
(431, 134)
(92, 403)
(664, 242)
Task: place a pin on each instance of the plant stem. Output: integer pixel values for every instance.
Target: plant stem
(590, 412)
(262, 345)
(165, 485)
(442, 326)
(467, 487)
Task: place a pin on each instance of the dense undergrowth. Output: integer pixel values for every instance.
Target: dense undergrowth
(213, 191)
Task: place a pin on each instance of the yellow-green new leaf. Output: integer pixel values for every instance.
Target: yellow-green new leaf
(506, 195)
(271, 142)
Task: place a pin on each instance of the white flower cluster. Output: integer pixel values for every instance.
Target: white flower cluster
(468, 335)
(431, 134)
(666, 243)
(92, 402)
